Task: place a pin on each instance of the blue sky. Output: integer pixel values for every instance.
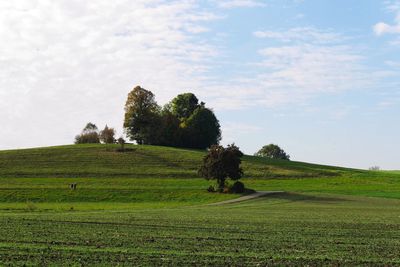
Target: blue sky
(319, 78)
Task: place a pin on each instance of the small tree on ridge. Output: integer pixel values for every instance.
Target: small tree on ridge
(89, 135)
(273, 152)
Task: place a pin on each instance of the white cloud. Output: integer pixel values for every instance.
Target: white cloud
(381, 28)
(312, 68)
(240, 3)
(64, 63)
(302, 34)
(67, 62)
(232, 130)
(392, 5)
(295, 66)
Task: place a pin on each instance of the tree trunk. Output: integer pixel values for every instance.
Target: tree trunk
(221, 185)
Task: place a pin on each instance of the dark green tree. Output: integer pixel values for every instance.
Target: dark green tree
(89, 135)
(170, 132)
(183, 105)
(222, 163)
(201, 129)
(141, 116)
(121, 141)
(273, 152)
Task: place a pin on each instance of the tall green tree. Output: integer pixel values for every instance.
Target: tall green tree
(222, 163)
(170, 131)
(201, 129)
(273, 152)
(141, 116)
(183, 105)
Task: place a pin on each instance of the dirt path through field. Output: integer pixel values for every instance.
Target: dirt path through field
(247, 197)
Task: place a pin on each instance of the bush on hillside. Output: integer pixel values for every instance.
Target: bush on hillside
(121, 141)
(107, 135)
(237, 188)
(273, 152)
(89, 135)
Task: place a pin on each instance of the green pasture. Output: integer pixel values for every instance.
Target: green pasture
(283, 229)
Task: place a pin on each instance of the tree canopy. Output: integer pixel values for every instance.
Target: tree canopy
(183, 122)
(222, 163)
(273, 152)
(202, 128)
(183, 105)
(141, 111)
(89, 135)
(107, 135)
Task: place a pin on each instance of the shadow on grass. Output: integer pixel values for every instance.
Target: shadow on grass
(248, 191)
(295, 197)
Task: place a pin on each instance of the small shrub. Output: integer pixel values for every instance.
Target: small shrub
(89, 135)
(237, 187)
(122, 142)
(107, 135)
(89, 138)
(211, 189)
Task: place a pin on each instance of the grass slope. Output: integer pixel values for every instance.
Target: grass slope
(137, 162)
(159, 176)
(146, 207)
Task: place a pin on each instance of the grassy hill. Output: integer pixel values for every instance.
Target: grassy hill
(158, 176)
(140, 162)
(147, 207)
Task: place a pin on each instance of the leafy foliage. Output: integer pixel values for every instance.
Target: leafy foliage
(202, 129)
(183, 105)
(170, 132)
(122, 142)
(107, 135)
(273, 152)
(89, 135)
(141, 112)
(237, 187)
(222, 163)
(181, 123)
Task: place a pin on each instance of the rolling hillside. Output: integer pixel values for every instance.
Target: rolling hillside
(148, 207)
(158, 176)
(142, 161)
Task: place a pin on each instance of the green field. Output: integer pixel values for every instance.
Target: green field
(147, 206)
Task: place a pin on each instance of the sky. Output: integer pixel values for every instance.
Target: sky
(320, 78)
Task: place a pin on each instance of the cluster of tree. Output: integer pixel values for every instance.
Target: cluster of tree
(273, 152)
(183, 122)
(222, 163)
(91, 135)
